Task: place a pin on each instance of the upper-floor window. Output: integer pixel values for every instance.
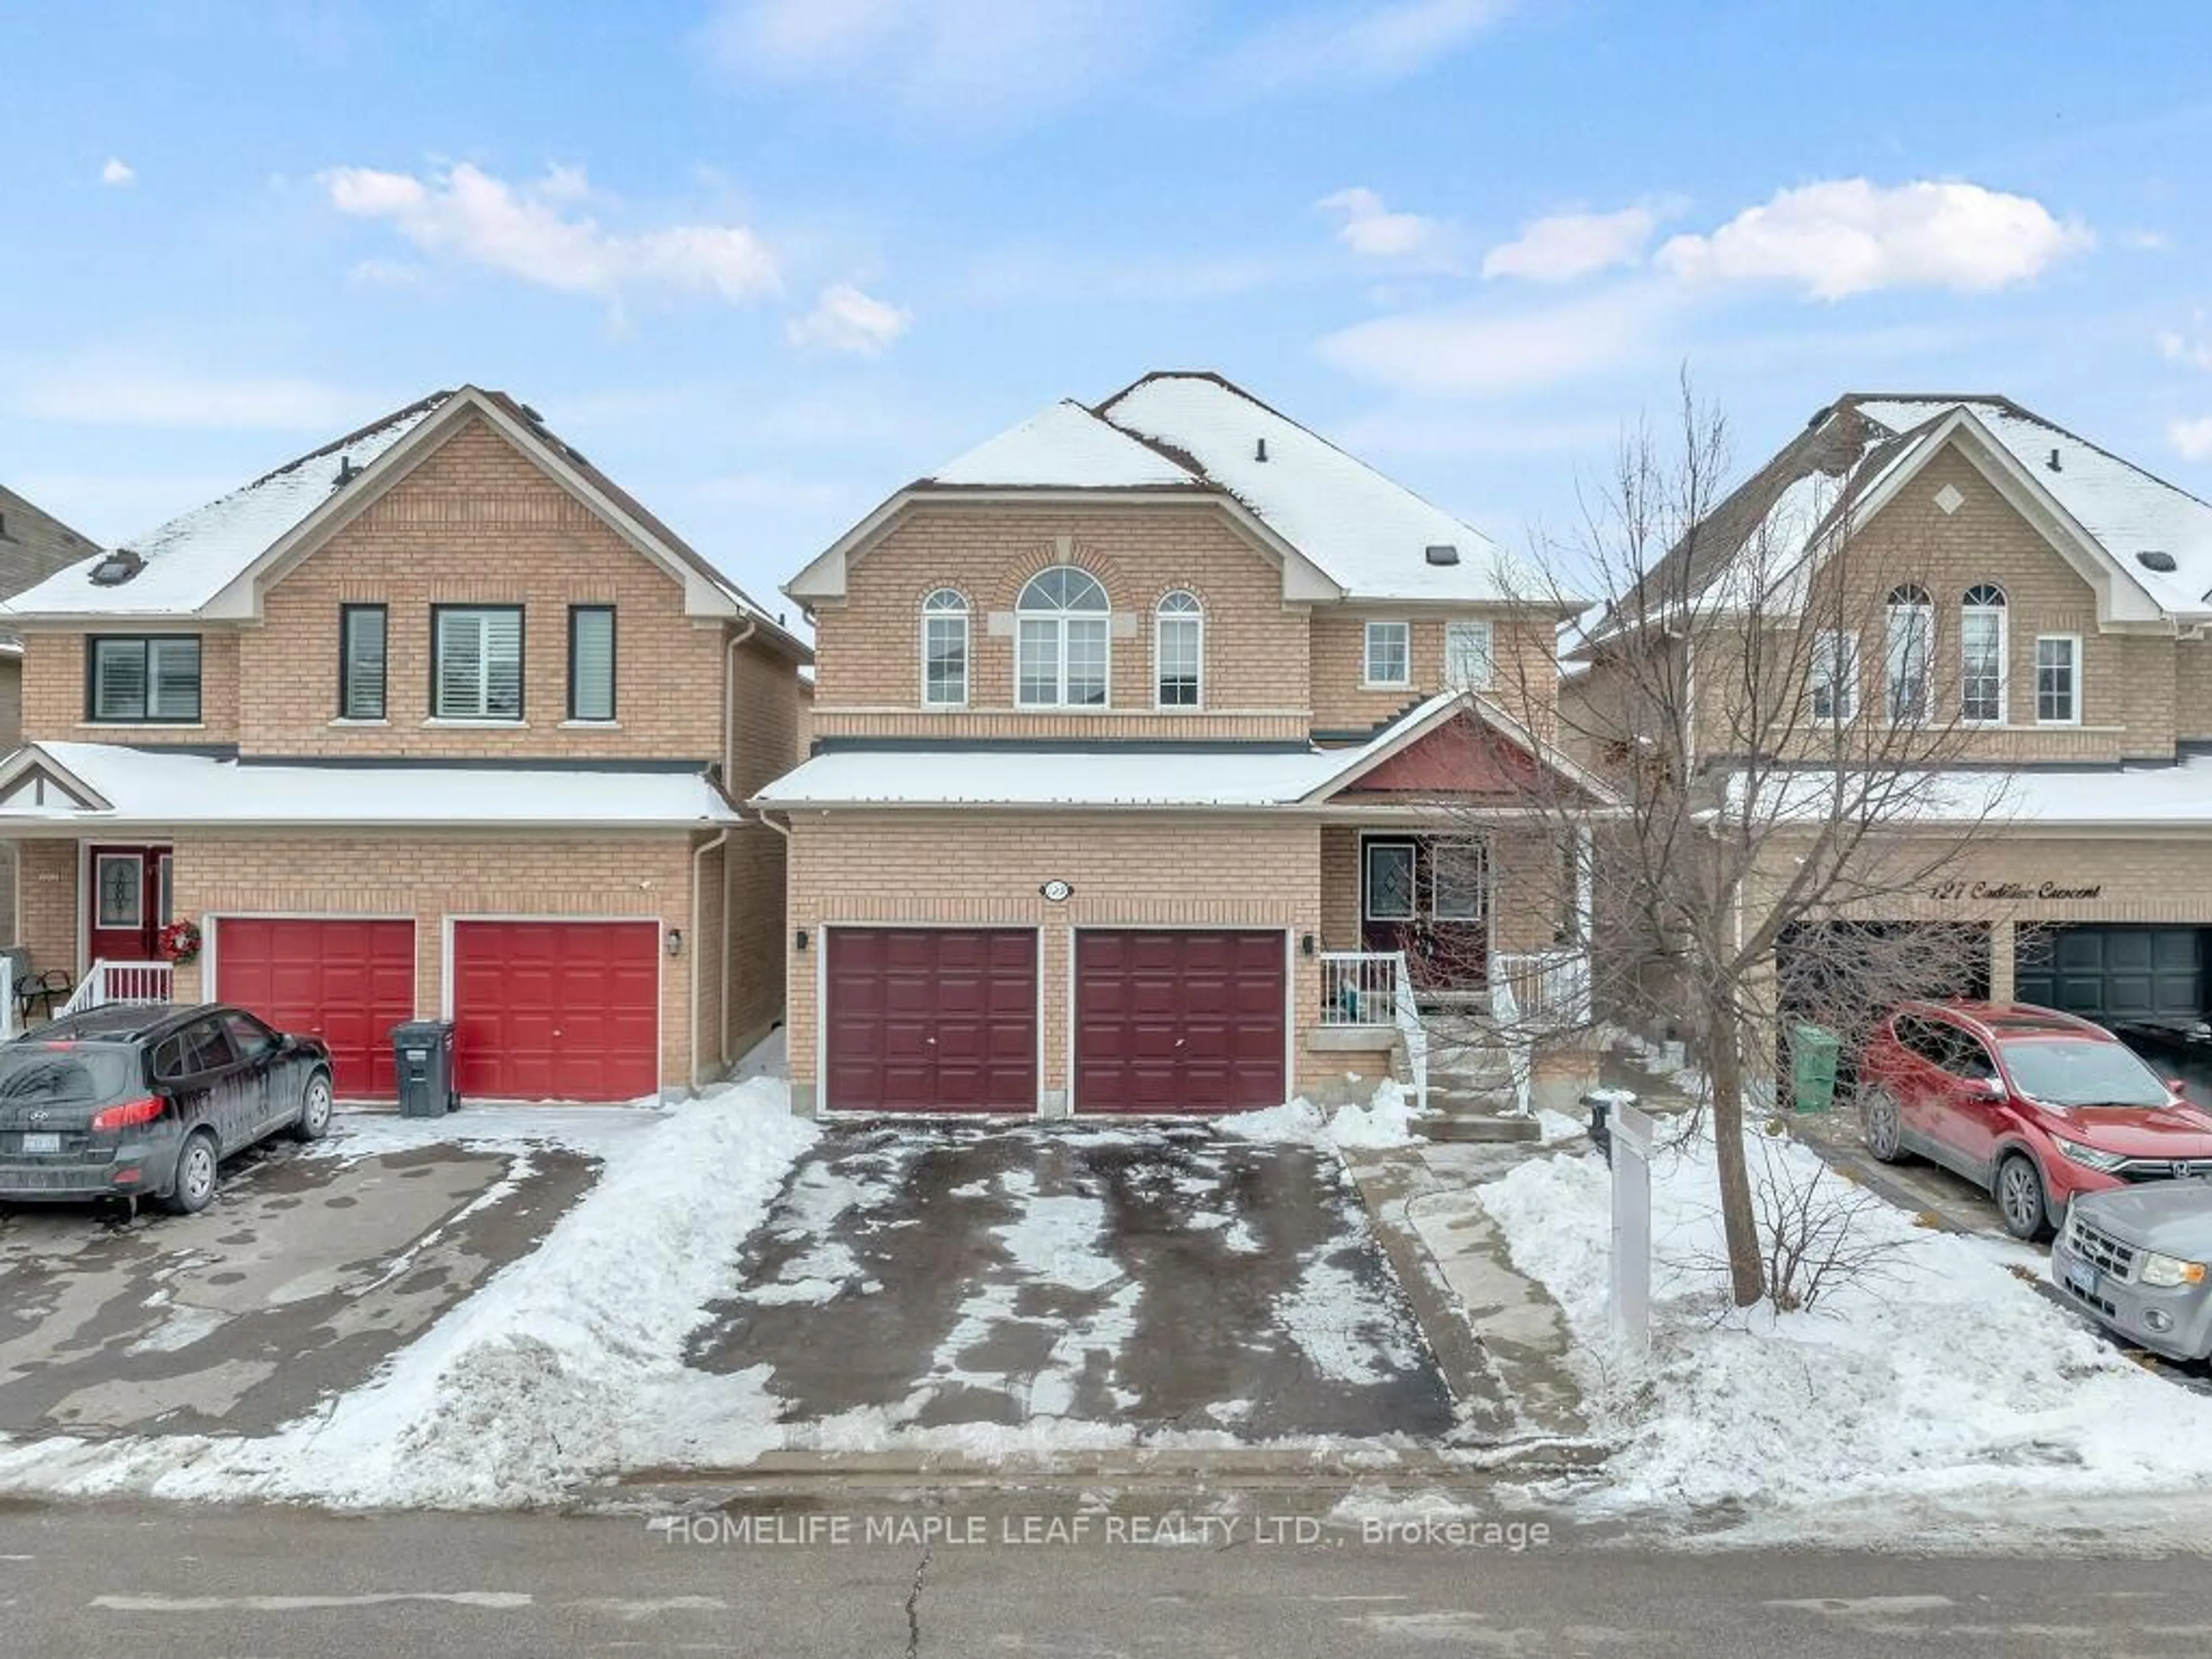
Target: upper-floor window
(1908, 657)
(1833, 676)
(361, 662)
(1470, 660)
(1062, 623)
(1389, 658)
(2057, 679)
(591, 662)
(476, 670)
(1982, 648)
(143, 679)
(944, 650)
(1179, 650)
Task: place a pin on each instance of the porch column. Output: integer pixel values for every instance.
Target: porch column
(2002, 946)
(1585, 881)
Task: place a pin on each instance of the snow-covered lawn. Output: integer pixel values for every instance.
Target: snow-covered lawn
(1949, 1387)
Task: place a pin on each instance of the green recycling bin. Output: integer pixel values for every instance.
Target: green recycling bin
(1814, 1051)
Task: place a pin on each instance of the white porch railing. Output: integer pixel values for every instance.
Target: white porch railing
(1514, 1037)
(1372, 988)
(1549, 988)
(122, 982)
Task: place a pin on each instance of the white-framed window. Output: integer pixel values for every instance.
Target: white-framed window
(944, 650)
(1470, 654)
(1833, 676)
(1389, 657)
(1389, 881)
(1983, 648)
(2057, 679)
(477, 674)
(592, 662)
(1061, 625)
(144, 680)
(1908, 684)
(1179, 651)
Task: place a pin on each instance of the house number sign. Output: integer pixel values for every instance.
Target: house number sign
(2015, 890)
(1056, 892)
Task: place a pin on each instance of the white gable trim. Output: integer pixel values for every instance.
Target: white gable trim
(32, 781)
(241, 597)
(825, 576)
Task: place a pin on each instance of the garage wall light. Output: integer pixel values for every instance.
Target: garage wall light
(676, 941)
(1306, 945)
(799, 940)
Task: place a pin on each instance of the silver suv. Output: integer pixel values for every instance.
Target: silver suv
(2140, 1260)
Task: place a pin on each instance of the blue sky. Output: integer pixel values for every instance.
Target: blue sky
(765, 260)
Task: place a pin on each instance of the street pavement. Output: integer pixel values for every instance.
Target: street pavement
(198, 1584)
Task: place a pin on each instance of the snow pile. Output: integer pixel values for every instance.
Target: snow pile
(1388, 1118)
(548, 1375)
(1948, 1378)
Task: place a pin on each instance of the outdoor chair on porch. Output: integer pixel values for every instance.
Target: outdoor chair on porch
(42, 992)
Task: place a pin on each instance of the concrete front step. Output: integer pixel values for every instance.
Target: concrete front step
(1476, 1126)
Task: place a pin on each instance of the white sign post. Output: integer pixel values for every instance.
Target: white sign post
(1630, 1300)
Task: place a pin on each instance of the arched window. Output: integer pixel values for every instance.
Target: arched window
(1061, 622)
(944, 650)
(1909, 656)
(1179, 650)
(1982, 649)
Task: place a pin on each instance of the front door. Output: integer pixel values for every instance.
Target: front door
(127, 901)
(1428, 896)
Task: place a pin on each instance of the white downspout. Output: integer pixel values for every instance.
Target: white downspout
(698, 852)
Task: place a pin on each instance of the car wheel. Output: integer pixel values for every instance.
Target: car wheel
(315, 1120)
(1881, 1126)
(2020, 1199)
(194, 1189)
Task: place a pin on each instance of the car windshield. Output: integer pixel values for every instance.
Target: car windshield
(68, 1074)
(2080, 1072)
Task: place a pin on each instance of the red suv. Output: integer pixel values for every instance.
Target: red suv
(2034, 1105)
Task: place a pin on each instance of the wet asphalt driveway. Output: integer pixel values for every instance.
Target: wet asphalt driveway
(1160, 1278)
(306, 1272)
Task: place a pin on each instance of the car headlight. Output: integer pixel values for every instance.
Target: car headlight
(2087, 1157)
(2167, 1272)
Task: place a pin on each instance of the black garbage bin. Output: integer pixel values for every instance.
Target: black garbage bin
(422, 1054)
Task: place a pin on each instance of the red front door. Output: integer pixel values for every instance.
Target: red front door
(1428, 896)
(126, 902)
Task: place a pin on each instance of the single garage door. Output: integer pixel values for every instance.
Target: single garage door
(1179, 1021)
(2113, 973)
(347, 980)
(930, 1019)
(556, 1010)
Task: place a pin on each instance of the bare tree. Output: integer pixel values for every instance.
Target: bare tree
(1765, 685)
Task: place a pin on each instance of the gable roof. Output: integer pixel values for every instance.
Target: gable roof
(1343, 531)
(206, 561)
(2101, 512)
(34, 544)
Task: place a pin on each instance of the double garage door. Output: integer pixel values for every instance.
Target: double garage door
(934, 1019)
(2118, 973)
(541, 1010)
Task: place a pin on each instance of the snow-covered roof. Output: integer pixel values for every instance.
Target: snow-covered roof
(1066, 447)
(192, 557)
(168, 786)
(2056, 798)
(1370, 534)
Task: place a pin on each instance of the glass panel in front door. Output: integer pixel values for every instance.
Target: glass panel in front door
(1389, 881)
(121, 884)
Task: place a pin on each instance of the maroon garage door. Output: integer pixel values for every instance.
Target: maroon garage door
(930, 1019)
(1178, 1021)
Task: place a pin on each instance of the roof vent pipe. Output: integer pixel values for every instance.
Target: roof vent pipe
(1260, 451)
(2055, 466)
(1442, 553)
(347, 472)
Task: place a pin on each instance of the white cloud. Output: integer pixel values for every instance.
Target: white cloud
(966, 63)
(2193, 438)
(116, 172)
(1848, 236)
(1460, 351)
(536, 232)
(845, 320)
(106, 393)
(1373, 232)
(1567, 246)
(1365, 45)
(2193, 348)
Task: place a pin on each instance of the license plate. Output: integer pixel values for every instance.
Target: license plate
(2082, 1281)
(35, 1144)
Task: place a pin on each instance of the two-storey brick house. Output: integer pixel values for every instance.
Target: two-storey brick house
(1140, 734)
(2042, 606)
(433, 721)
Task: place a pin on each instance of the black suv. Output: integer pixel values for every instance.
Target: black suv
(145, 1101)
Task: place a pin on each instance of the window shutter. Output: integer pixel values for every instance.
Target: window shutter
(502, 650)
(460, 666)
(591, 664)
(174, 666)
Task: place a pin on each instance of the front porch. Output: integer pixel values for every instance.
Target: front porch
(89, 916)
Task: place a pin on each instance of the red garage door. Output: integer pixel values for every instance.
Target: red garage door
(930, 1019)
(556, 1010)
(1171, 1021)
(348, 982)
